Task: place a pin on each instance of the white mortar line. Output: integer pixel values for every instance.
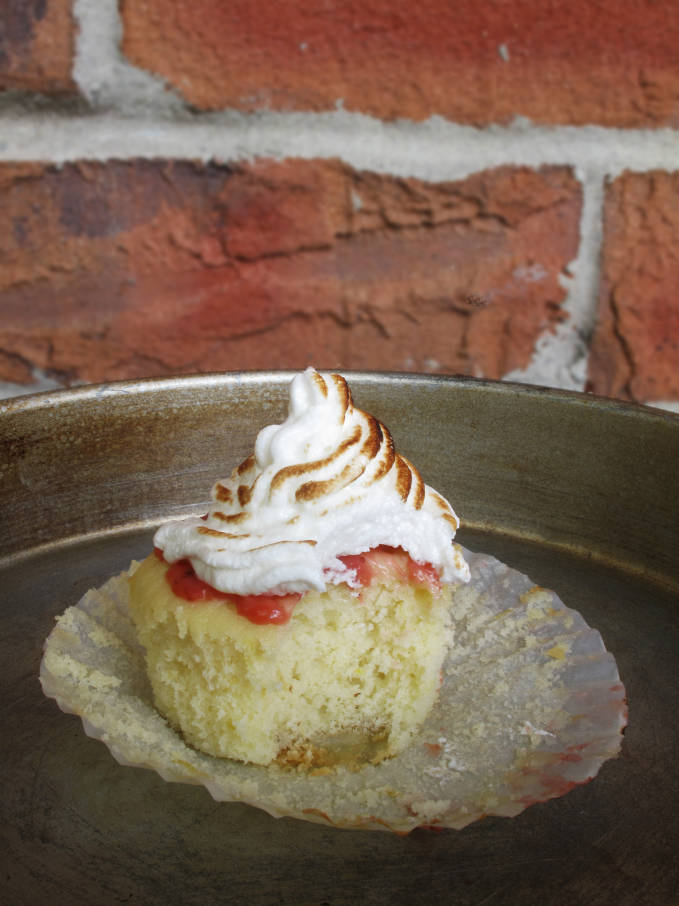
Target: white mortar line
(560, 356)
(432, 150)
(102, 73)
(669, 405)
(41, 382)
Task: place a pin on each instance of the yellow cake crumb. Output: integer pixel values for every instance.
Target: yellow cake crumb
(349, 678)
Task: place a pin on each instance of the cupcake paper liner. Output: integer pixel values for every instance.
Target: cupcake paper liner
(531, 705)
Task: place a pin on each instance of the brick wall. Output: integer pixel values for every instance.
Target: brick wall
(449, 186)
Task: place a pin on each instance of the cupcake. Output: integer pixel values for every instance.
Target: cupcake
(304, 620)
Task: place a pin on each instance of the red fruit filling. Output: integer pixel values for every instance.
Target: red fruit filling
(380, 563)
(386, 563)
(258, 609)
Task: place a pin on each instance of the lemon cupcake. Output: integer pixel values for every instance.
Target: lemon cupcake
(304, 620)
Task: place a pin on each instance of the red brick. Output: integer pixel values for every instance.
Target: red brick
(575, 63)
(142, 268)
(36, 45)
(635, 349)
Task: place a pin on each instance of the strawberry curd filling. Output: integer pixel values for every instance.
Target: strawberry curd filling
(379, 564)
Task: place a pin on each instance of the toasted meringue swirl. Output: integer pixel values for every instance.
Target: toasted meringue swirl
(324, 484)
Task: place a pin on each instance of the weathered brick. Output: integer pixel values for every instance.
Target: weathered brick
(142, 268)
(576, 63)
(635, 348)
(36, 45)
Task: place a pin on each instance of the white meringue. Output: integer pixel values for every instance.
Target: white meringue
(324, 484)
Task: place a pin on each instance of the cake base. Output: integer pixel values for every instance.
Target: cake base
(348, 679)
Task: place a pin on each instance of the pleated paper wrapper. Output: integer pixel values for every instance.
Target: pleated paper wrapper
(531, 705)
